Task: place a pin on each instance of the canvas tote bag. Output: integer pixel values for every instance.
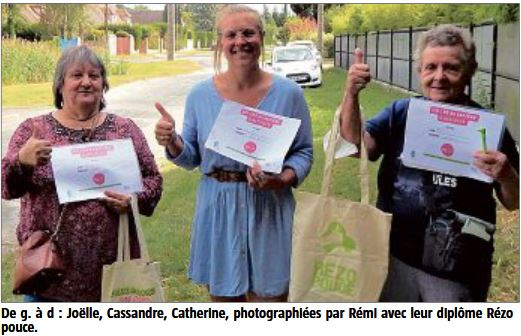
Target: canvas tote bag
(131, 280)
(340, 248)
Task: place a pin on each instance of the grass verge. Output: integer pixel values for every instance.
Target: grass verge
(168, 231)
(27, 95)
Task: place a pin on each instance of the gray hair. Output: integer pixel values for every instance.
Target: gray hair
(449, 35)
(71, 56)
(224, 12)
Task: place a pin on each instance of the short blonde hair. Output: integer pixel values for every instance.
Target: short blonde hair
(223, 12)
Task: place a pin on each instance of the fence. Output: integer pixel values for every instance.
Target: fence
(390, 53)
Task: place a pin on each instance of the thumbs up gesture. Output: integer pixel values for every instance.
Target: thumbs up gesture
(358, 75)
(165, 127)
(35, 151)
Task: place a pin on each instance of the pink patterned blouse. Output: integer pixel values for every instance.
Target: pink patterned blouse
(88, 234)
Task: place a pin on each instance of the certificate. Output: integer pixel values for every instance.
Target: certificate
(246, 135)
(85, 171)
(443, 137)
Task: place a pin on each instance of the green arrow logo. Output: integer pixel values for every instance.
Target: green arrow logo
(341, 240)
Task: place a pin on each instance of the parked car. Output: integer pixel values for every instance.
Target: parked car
(296, 63)
(311, 46)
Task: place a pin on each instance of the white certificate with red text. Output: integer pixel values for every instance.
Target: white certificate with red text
(85, 171)
(443, 137)
(246, 135)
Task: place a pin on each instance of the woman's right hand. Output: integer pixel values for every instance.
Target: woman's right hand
(35, 151)
(358, 75)
(165, 127)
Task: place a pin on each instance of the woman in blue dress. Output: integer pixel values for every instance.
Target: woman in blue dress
(242, 227)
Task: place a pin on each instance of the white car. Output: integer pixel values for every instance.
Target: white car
(296, 63)
(311, 46)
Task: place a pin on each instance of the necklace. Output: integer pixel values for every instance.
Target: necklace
(87, 132)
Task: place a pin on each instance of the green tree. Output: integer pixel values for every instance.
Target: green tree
(305, 10)
(283, 35)
(370, 17)
(64, 19)
(141, 7)
(12, 21)
(203, 16)
(13, 12)
(506, 13)
(278, 17)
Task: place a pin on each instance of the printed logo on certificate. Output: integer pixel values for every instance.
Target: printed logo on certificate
(245, 134)
(442, 137)
(86, 171)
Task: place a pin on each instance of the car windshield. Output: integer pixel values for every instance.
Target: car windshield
(290, 55)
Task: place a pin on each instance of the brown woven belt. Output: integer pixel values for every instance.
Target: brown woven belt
(228, 176)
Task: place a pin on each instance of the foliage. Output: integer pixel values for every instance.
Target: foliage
(329, 45)
(204, 39)
(64, 20)
(122, 33)
(95, 35)
(506, 13)
(308, 10)
(304, 10)
(302, 28)
(203, 15)
(271, 32)
(160, 27)
(280, 18)
(283, 35)
(358, 18)
(28, 62)
(141, 7)
(26, 31)
(11, 13)
(267, 17)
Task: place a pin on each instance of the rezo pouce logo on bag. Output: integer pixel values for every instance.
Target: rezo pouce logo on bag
(328, 275)
(130, 294)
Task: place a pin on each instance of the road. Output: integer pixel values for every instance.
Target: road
(133, 100)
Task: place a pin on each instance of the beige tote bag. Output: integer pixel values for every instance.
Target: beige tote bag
(131, 280)
(340, 248)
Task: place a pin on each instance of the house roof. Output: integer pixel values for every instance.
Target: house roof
(31, 13)
(123, 13)
(147, 16)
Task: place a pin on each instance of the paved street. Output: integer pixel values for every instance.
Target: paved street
(134, 100)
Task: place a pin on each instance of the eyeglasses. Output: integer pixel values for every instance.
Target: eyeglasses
(247, 34)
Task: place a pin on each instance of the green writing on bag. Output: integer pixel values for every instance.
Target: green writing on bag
(133, 291)
(329, 275)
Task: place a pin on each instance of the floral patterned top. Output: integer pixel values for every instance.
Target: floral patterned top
(88, 234)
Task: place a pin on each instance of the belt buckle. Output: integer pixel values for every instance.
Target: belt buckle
(221, 176)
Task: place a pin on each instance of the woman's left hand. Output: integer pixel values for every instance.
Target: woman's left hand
(494, 164)
(117, 201)
(258, 179)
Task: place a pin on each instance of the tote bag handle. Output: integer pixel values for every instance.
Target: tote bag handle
(330, 160)
(124, 236)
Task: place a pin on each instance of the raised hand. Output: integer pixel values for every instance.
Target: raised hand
(358, 75)
(35, 151)
(165, 127)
